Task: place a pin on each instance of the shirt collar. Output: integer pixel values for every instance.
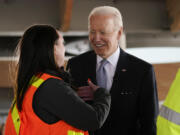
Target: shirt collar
(113, 59)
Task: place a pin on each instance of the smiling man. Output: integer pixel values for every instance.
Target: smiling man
(103, 36)
(130, 80)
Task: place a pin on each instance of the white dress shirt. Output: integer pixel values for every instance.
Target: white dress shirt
(110, 67)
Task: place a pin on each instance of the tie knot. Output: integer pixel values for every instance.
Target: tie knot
(103, 62)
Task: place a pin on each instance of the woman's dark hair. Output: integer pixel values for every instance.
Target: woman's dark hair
(36, 54)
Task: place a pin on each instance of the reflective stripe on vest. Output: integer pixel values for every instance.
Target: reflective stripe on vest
(170, 115)
(16, 118)
(71, 132)
(36, 82)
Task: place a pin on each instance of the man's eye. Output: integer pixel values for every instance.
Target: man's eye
(103, 33)
(92, 32)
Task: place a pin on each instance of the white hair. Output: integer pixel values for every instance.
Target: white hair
(107, 10)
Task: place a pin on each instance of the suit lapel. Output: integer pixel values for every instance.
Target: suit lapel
(120, 73)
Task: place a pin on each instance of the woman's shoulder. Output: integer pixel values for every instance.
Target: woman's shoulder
(52, 89)
(53, 85)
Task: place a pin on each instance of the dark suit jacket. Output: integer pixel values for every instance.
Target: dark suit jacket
(134, 105)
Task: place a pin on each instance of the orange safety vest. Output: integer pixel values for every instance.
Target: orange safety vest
(27, 122)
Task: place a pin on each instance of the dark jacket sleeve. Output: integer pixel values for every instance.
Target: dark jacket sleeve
(148, 104)
(61, 102)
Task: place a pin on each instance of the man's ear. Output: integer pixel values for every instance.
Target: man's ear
(120, 33)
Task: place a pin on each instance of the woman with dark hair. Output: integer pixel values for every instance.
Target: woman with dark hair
(45, 103)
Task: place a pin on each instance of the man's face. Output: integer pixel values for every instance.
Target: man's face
(103, 36)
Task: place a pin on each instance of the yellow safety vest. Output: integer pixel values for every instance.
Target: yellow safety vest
(168, 122)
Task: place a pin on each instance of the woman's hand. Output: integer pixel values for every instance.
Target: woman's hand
(87, 92)
(92, 85)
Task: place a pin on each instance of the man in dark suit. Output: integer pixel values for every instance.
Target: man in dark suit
(130, 80)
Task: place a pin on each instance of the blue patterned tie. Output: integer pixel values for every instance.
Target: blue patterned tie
(101, 75)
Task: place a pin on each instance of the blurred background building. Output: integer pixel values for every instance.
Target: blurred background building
(151, 32)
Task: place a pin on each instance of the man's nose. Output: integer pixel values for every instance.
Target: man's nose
(97, 37)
